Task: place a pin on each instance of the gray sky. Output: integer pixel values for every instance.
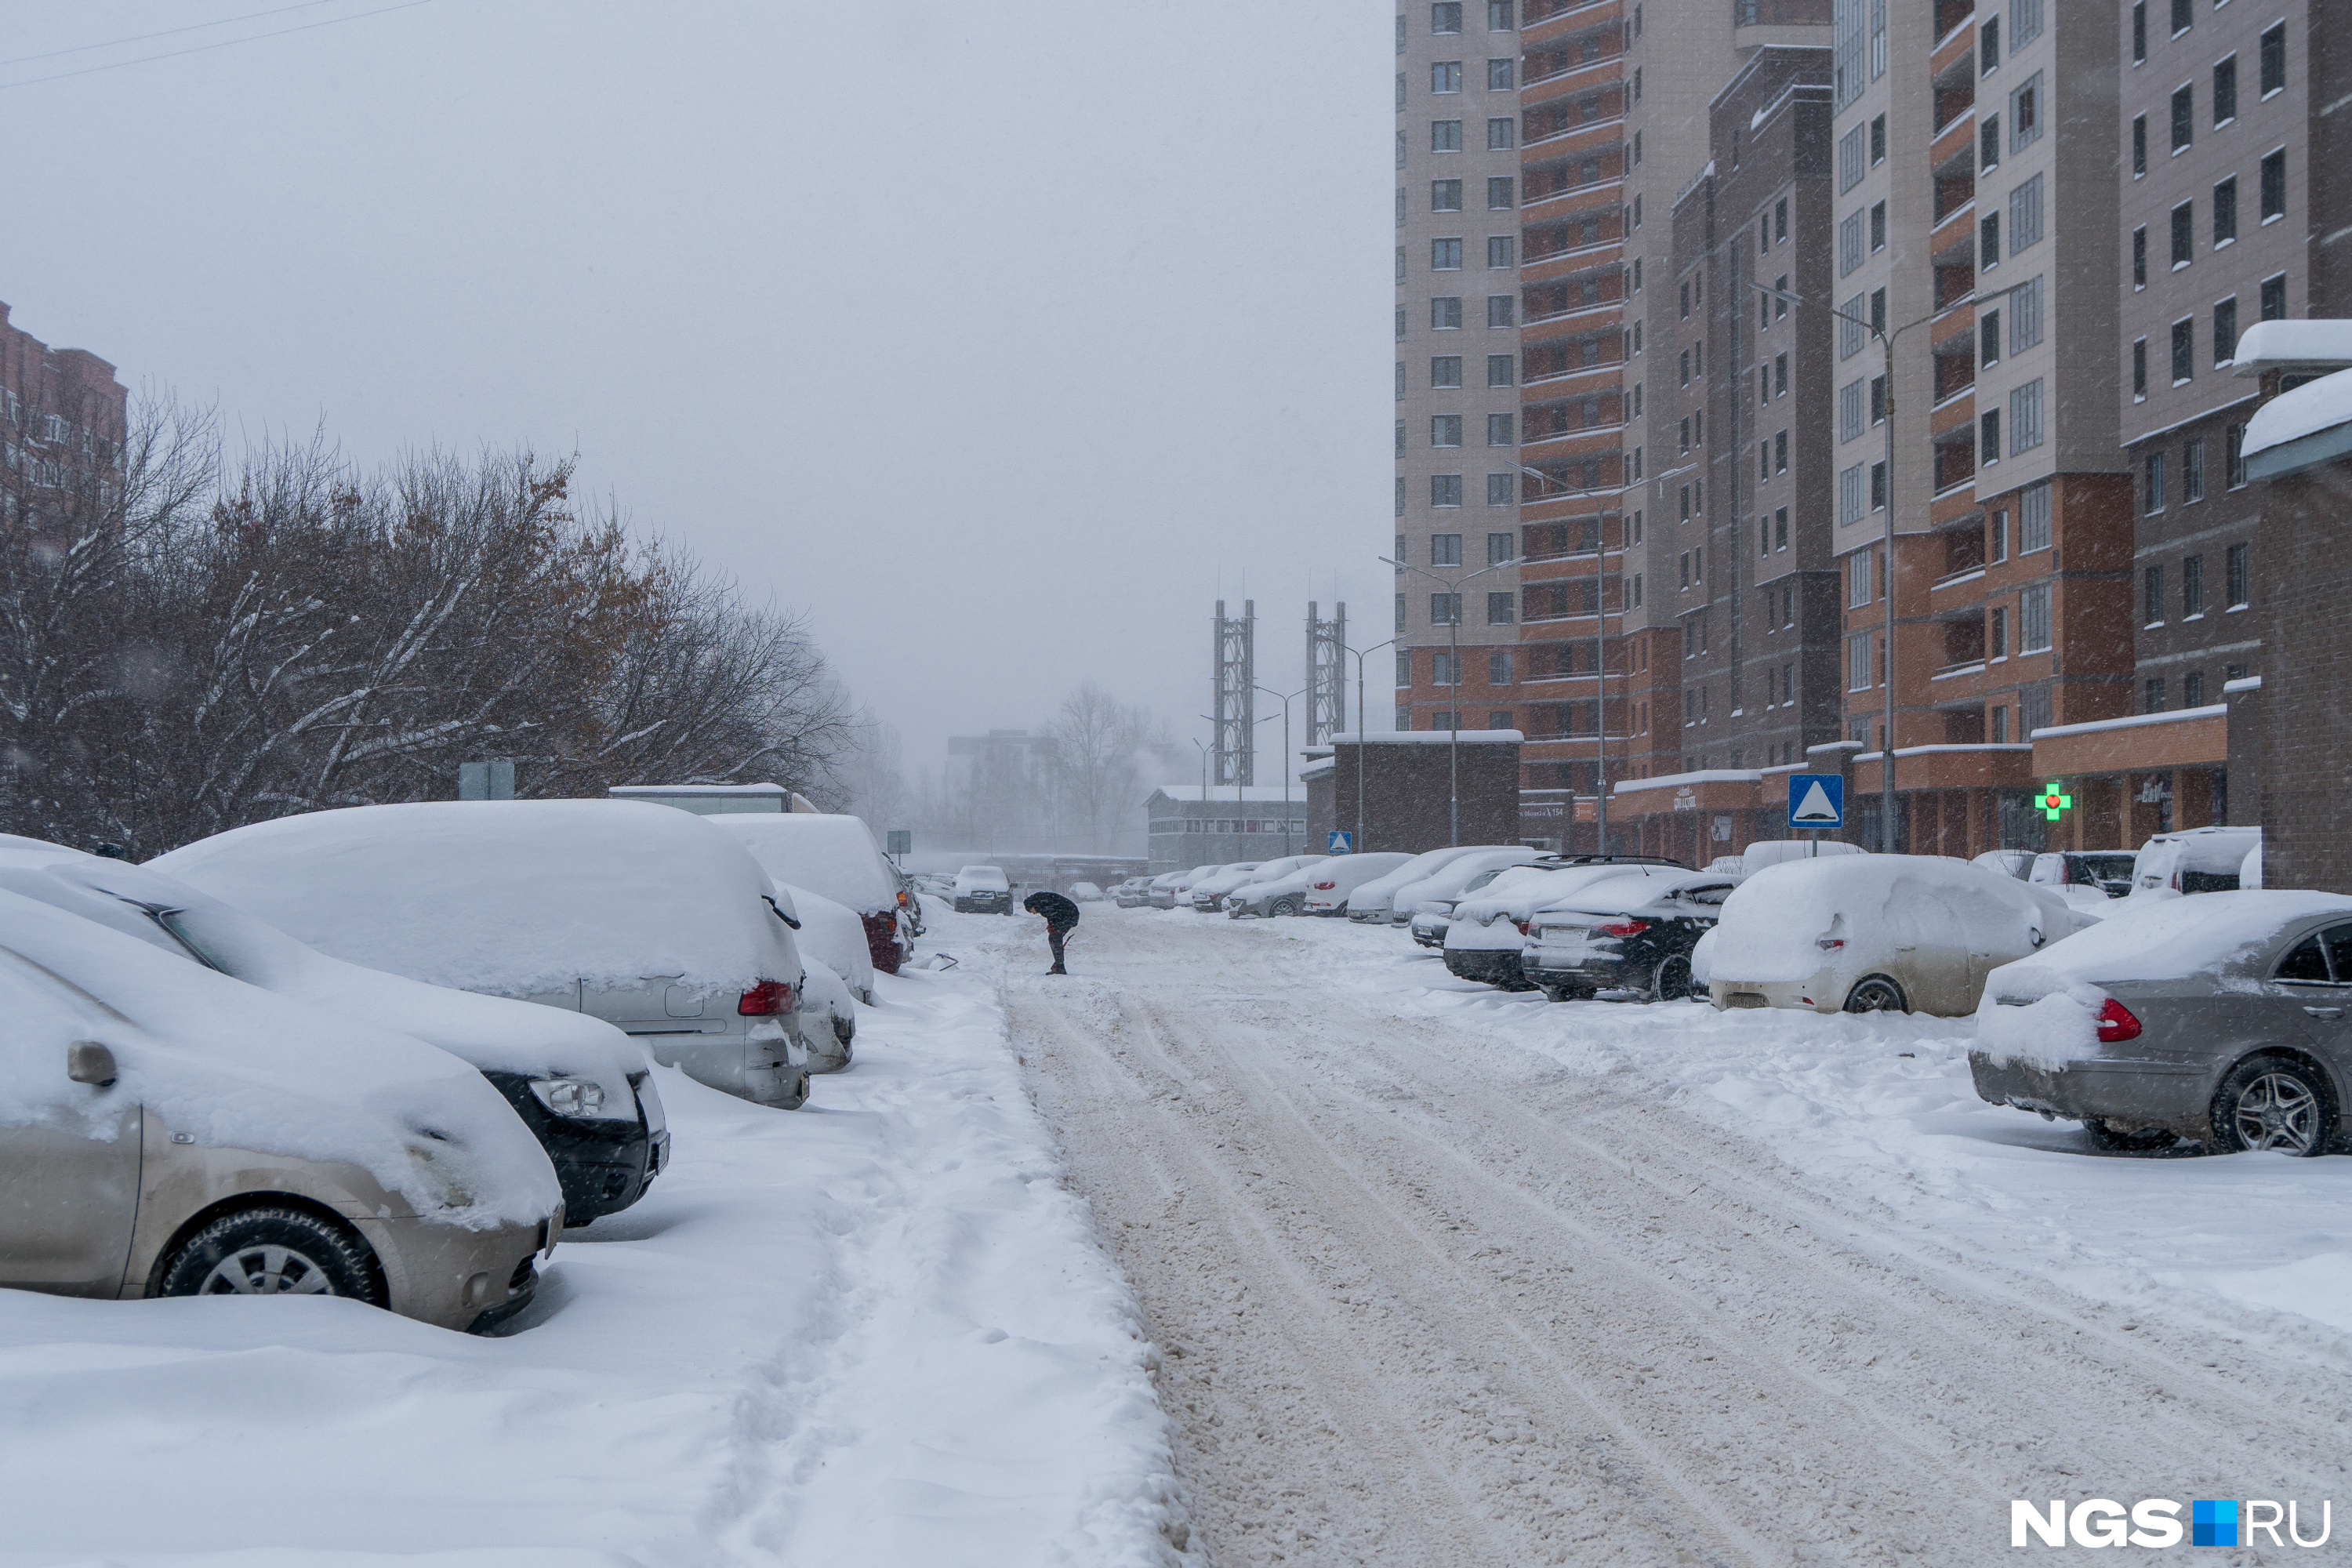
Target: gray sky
(989, 334)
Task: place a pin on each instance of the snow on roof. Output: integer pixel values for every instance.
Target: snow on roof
(834, 855)
(2130, 722)
(1676, 780)
(2317, 408)
(1229, 795)
(1429, 737)
(1316, 770)
(2278, 345)
(625, 791)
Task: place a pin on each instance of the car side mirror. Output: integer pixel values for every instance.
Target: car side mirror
(89, 1062)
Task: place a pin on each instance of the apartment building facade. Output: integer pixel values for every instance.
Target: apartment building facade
(63, 419)
(1458, 363)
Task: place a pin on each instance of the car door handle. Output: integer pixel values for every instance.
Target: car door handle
(2330, 1014)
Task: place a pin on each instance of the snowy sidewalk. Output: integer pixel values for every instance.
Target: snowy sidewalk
(877, 1330)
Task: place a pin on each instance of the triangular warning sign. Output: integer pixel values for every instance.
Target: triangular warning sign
(1814, 807)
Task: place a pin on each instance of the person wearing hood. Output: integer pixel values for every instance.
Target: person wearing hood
(1060, 914)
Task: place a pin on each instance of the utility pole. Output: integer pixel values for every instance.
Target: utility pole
(1360, 751)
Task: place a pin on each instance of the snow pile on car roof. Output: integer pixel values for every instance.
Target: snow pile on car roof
(833, 856)
(1520, 891)
(831, 932)
(239, 1068)
(515, 898)
(1773, 925)
(2162, 940)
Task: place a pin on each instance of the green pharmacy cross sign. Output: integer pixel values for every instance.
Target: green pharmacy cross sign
(2052, 802)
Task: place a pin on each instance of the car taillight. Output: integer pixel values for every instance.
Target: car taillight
(1830, 944)
(765, 1000)
(1526, 928)
(1325, 887)
(902, 898)
(1621, 927)
(2117, 1023)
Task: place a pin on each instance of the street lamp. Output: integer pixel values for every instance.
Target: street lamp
(1886, 348)
(1600, 669)
(1453, 717)
(1360, 654)
(1278, 697)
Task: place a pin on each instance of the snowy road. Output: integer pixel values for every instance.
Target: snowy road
(1424, 1295)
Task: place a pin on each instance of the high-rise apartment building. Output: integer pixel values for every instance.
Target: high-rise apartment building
(1458, 363)
(63, 417)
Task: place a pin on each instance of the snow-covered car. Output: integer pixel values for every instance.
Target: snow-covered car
(1773, 851)
(2217, 1019)
(1280, 889)
(830, 931)
(578, 1084)
(1208, 891)
(168, 1130)
(1626, 936)
(1487, 929)
(2016, 863)
(644, 916)
(1373, 903)
(836, 858)
(1909, 934)
(1337, 880)
(1443, 886)
(1164, 889)
(1086, 893)
(982, 890)
(1133, 893)
(2193, 860)
(2107, 872)
(827, 1016)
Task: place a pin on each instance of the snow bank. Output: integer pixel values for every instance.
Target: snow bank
(834, 855)
(511, 897)
(238, 1068)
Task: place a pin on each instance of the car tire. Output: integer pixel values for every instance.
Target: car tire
(1671, 981)
(1287, 907)
(272, 1249)
(2139, 1140)
(1876, 993)
(2276, 1103)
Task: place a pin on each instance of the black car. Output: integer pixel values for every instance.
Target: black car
(1632, 939)
(604, 1162)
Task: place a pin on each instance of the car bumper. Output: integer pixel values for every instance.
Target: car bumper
(762, 1071)
(2129, 1094)
(1488, 965)
(1583, 970)
(1818, 994)
(983, 906)
(457, 1279)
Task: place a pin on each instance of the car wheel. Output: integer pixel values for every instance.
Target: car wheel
(2273, 1103)
(273, 1251)
(1876, 993)
(1672, 980)
(1287, 907)
(2139, 1140)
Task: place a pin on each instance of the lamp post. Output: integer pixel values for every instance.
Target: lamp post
(1278, 697)
(1454, 716)
(1886, 348)
(1360, 654)
(1600, 665)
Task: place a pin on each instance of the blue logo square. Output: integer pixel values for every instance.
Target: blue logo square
(2213, 1523)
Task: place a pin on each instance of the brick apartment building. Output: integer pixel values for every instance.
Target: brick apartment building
(64, 415)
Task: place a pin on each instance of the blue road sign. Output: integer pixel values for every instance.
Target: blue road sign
(1343, 843)
(1817, 800)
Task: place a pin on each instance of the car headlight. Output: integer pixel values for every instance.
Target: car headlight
(569, 1096)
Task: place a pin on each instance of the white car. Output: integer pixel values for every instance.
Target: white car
(1863, 933)
(982, 890)
(1439, 891)
(1625, 938)
(830, 931)
(1167, 889)
(1134, 893)
(2106, 872)
(1773, 851)
(1086, 893)
(1278, 889)
(828, 1017)
(1374, 902)
(1338, 880)
(1488, 931)
(642, 915)
(836, 858)
(1208, 892)
(2193, 860)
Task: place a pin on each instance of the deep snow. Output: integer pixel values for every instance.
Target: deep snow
(878, 1330)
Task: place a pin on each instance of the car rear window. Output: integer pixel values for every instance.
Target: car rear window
(2337, 940)
(2306, 962)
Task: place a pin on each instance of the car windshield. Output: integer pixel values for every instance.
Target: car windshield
(2101, 868)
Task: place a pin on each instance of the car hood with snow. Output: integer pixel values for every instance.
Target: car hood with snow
(1374, 898)
(1495, 915)
(1449, 881)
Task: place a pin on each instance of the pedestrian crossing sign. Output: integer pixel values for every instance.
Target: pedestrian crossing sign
(1342, 841)
(1817, 800)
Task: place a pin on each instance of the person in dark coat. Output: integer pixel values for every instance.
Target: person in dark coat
(1060, 915)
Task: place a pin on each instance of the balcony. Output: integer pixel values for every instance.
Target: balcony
(1595, 109)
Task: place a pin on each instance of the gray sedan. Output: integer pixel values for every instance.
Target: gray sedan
(2224, 1019)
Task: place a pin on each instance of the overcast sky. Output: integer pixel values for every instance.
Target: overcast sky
(994, 336)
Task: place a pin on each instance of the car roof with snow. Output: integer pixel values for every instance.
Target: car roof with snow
(834, 855)
(1651, 888)
(1772, 924)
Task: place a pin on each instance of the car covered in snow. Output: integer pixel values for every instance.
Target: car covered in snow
(578, 1084)
(1169, 887)
(1772, 851)
(827, 1016)
(1133, 893)
(642, 915)
(834, 857)
(1086, 893)
(167, 1129)
(2107, 872)
(1338, 878)
(1625, 936)
(2193, 860)
(982, 890)
(1207, 891)
(1485, 929)
(1279, 888)
(1437, 892)
(831, 932)
(1374, 903)
(1909, 934)
(2225, 1019)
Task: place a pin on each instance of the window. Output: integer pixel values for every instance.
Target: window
(1445, 76)
(1989, 242)
(2152, 486)
(2152, 596)
(1502, 430)
(1857, 578)
(1502, 192)
(2024, 23)
(1501, 370)
(2184, 118)
(2140, 367)
(2225, 91)
(1780, 375)
(2274, 184)
(1445, 196)
(2192, 472)
(2225, 331)
(1997, 531)
(1781, 296)
(2273, 307)
(1445, 17)
(1997, 634)
(1502, 250)
(2033, 519)
(2025, 114)
(1877, 38)
(1399, 264)
(2139, 146)
(2139, 32)
(1498, 16)
(1500, 311)
(1445, 372)
(2192, 689)
(1851, 153)
(2033, 712)
(1446, 136)
(1849, 243)
(2154, 700)
(1850, 330)
(2235, 576)
(1446, 313)
(1499, 609)
(1857, 662)
(2182, 14)
(2225, 213)
(2033, 620)
(1446, 490)
(1500, 491)
(1403, 676)
(1988, 145)
(1445, 549)
(1780, 453)
(1850, 495)
(1400, 484)
(1989, 436)
(2184, 349)
(1500, 76)
(1445, 610)
(1781, 528)
(1877, 486)
(2274, 60)
(2025, 417)
(1878, 141)
(2233, 456)
(1989, 338)
(2000, 715)
(2192, 586)
(1446, 255)
(1445, 667)
(1989, 47)
(2025, 215)
(1498, 549)
(1400, 323)
(2139, 256)
(2025, 317)
(1502, 133)
(2184, 235)
(1850, 411)
(1498, 660)
(1878, 228)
